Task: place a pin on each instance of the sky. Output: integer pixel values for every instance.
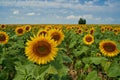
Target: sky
(59, 11)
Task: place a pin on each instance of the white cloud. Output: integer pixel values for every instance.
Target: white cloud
(87, 16)
(31, 14)
(71, 4)
(16, 12)
(91, 19)
(109, 19)
(90, 2)
(73, 17)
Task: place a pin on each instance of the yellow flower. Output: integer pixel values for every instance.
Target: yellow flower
(41, 49)
(42, 32)
(27, 28)
(19, 31)
(57, 35)
(116, 31)
(88, 39)
(3, 26)
(98, 54)
(108, 48)
(103, 29)
(92, 30)
(3, 37)
(79, 31)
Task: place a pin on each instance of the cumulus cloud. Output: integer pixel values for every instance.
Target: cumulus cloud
(70, 4)
(90, 17)
(65, 9)
(31, 14)
(16, 12)
(87, 16)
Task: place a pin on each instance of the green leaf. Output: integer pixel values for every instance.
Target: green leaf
(23, 70)
(77, 52)
(40, 71)
(86, 60)
(114, 70)
(92, 76)
(72, 44)
(84, 49)
(19, 77)
(67, 59)
(52, 70)
(98, 60)
(78, 64)
(63, 71)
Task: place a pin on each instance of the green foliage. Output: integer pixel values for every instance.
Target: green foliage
(114, 70)
(75, 59)
(92, 76)
(82, 21)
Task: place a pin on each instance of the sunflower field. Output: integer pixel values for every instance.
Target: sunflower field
(59, 52)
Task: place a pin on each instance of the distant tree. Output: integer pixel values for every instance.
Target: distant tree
(82, 21)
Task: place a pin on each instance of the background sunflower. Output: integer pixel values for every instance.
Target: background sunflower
(88, 39)
(108, 48)
(3, 37)
(57, 35)
(27, 28)
(40, 32)
(19, 31)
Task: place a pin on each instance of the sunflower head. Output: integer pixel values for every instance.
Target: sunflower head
(42, 32)
(19, 31)
(88, 39)
(108, 48)
(57, 35)
(79, 31)
(92, 30)
(3, 26)
(41, 49)
(103, 29)
(116, 31)
(98, 54)
(3, 37)
(27, 28)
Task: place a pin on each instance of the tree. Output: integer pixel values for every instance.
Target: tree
(82, 21)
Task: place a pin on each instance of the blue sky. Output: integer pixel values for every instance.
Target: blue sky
(59, 11)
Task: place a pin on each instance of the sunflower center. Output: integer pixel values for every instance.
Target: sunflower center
(20, 30)
(27, 28)
(115, 31)
(56, 37)
(2, 37)
(42, 48)
(88, 39)
(43, 32)
(79, 31)
(2, 26)
(91, 31)
(109, 47)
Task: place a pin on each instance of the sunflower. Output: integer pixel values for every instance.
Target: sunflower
(3, 37)
(116, 31)
(79, 31)
(41, 49)
(103, 29)
(88, 39)
(108, 48)
(3, 26)
(27, 28)
(19, 31)
(40, 32)
(92, 30)
(57, 35)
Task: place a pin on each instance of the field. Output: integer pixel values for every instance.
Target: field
(59, 52)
